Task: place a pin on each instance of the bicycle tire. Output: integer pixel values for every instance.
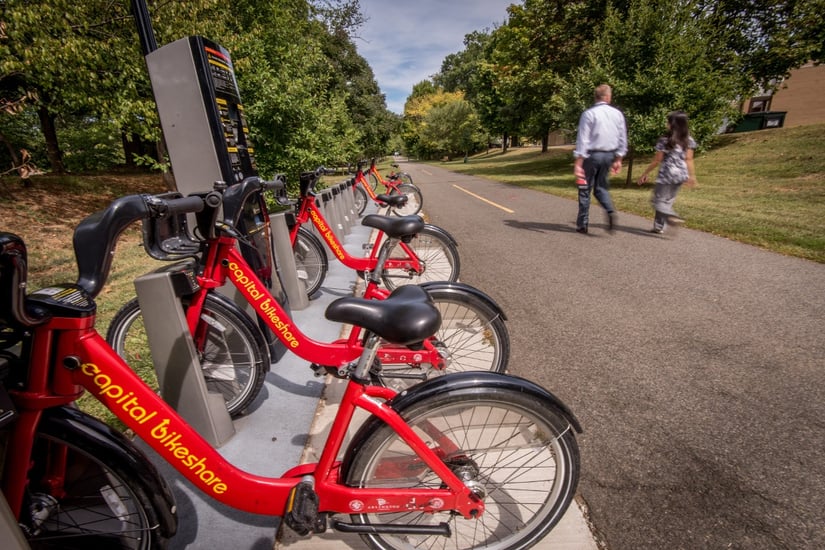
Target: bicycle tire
(230, 336)
(406, 178)
(518, 452)
(360, 201)
(373, 179)
(310, 260)
(414, 200)
(472, 337)
(105, 502)
(434, 250)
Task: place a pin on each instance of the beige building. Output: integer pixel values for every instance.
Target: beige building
(801, 97)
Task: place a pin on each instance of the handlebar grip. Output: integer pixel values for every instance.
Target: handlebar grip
(278, 183)
(184, 205)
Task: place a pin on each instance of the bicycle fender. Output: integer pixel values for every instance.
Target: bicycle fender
(443, 232)
(459, 288)
(469, 381)
(112, 446)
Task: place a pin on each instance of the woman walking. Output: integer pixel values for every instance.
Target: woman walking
(674, 151)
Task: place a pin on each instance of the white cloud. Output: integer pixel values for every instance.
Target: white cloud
(405, 42)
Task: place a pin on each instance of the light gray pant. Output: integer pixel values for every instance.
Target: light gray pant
(664, 195)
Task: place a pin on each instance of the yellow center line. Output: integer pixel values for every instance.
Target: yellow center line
(484, 200)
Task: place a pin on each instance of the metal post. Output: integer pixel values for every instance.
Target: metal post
(283, 255)
(9, 529)
(176, 361)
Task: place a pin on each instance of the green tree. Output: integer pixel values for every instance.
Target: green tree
(458, 69)
(658, 57)
(451, 126)
(768, 37)
(541, 43)
(80, 61)
(415, 109)
(353, 78)
(56, 51)
(471, 72)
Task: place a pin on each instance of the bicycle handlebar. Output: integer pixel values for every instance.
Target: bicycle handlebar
(184, 205)
(307, 180)
(235, 196)
(96, 236)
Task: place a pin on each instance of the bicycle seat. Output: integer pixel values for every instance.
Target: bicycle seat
(392, 200)
(395, 227)
(407, 317)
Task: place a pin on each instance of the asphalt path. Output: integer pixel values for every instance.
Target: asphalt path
(694, 363)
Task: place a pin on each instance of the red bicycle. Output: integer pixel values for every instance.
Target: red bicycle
(468, 460)
(430, 255)
(364, 191)
(234, 359)
(394, 176)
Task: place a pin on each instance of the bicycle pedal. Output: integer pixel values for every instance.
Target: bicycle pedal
(302, 515)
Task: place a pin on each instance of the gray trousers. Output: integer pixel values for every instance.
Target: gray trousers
(664, 195)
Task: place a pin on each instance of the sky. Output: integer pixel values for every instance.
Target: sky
(405, 41)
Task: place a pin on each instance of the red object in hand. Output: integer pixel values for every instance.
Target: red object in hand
(581, 182)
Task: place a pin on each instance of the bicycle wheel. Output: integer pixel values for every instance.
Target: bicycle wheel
(472, 337)
(311, 260)
(373, 179)
(101, 505)
(233, 355)
(360, 200)
(405, 178)
(414, 199)
(515, 450)
(436, 252)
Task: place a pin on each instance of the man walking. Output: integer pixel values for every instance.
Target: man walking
(601, 144)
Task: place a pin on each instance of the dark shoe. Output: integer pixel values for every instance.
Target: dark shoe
(581, 230)
(657, 231)
(611, 222)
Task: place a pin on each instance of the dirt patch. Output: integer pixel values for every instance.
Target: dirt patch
(46, 211)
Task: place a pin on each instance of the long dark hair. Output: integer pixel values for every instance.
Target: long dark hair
(678, 133)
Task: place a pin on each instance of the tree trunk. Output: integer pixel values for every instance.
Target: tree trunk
(629, 159)
(49, 130)
(15, 160)
(545, 141)
(131, 147)
(505, 142)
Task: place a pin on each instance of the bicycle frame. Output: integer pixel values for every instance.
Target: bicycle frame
(83, 360)
(385, 182)
(309, 212)
(223, 261)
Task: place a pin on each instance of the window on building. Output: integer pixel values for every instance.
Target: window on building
(760, 104)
